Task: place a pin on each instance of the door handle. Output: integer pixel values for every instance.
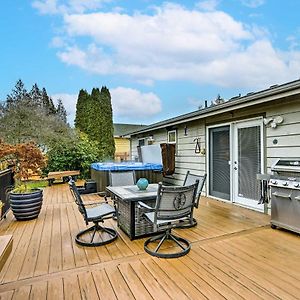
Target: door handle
(280, 195)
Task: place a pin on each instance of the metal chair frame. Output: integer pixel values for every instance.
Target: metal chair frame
(189, 179)
(168, 218)
(107, 213)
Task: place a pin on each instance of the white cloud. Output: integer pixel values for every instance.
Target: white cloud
(253, 3)
(175, 43)
(208, 5)
(126, 102)
(66, 6)
(58, 42)
(133, 103)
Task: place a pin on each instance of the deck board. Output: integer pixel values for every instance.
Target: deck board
(235, 254)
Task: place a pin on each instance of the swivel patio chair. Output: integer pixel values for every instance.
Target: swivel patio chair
(96, 214)
(190, 179)
(173, 205)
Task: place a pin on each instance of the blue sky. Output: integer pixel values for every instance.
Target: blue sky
(159, 59)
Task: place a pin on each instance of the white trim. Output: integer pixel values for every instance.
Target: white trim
(231, 131)
(172, 131)
(244, 124)
(207, 159)
(142, 139)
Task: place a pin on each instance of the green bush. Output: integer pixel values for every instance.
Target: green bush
(75, 154)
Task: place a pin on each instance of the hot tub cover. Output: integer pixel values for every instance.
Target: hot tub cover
(125, 166)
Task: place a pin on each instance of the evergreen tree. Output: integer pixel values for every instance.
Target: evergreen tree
(47, 103)
(36, 96)
(61, 111)
(23, 118)
(107, 136)
(94, 117)
(82, 108)
(19, 93)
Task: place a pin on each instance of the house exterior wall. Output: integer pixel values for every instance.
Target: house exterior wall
(186, 158)
(287, 135)
(122, 151)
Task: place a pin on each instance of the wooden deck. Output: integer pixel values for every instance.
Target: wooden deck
(235, 255)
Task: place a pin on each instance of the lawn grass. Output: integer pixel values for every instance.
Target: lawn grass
(36, 184)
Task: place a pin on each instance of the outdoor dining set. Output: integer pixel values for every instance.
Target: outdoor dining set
(142, 210)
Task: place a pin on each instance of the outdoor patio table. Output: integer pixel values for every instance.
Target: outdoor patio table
(127, 202)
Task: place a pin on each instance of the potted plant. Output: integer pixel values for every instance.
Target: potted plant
(24, 158)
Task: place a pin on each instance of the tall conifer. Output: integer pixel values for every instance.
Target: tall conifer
(36, 96)
(61, 111)
(94, 117)
(95, 122)
(48, 104)
(82, 107)
(108, 130)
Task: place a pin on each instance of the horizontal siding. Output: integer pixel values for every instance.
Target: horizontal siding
(284, 152)
(186, 158)
(284, 141)
(284, 108)
(283, 130)
(287, 134)
(122, 145)
(192, 159)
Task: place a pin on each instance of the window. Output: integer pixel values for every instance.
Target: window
(141, 142)
(172, 137)
(150, 140)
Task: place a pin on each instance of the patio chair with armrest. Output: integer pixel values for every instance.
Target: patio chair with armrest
(98, 213)
(173, 205)
(190, 179)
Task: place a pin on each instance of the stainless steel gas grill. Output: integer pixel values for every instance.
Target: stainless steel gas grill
(285, 194)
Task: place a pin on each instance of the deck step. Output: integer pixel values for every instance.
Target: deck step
(6, 242)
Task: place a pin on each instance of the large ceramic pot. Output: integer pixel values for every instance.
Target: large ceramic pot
(26, 206)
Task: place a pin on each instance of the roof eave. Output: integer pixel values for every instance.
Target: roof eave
(271, 94)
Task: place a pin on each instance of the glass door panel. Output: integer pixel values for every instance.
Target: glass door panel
(219, 159)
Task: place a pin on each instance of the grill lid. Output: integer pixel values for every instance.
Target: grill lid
(289, 165)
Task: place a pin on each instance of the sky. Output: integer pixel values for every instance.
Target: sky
(159, 59)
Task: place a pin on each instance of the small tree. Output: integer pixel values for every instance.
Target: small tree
(24, 158)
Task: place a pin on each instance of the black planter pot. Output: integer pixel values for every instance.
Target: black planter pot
(26, 206)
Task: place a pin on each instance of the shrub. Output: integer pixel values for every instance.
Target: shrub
(76, 154)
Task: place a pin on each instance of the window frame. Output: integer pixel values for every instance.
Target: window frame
(144, 142)
(175, 134)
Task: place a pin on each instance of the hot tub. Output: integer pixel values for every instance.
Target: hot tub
(100, 171)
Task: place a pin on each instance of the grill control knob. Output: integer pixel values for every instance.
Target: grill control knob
(274, 182)
(285, 183)
(296, 185)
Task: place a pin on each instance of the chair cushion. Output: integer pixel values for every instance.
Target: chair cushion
(150, 216)
(99, 211)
